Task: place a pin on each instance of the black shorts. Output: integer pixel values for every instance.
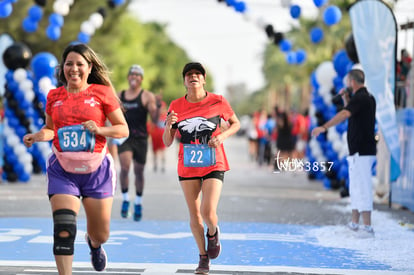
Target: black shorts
(138, 146)
(215, 174)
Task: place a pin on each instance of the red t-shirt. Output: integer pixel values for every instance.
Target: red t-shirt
(68, 109)
(197, 123)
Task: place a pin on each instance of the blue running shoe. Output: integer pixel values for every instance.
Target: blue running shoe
(98, 255)
(138, 212)
(125, 209)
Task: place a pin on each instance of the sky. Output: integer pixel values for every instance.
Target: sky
(231, 44)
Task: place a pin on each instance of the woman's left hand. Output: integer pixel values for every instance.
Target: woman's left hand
(91, 126)
(215, 142)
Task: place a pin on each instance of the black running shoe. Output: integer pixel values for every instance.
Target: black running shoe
(98, 255)
(203, 265)
(213, 244)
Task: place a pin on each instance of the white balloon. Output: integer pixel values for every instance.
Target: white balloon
(19, 75)
(345, 136)
(96, 19)
(26, 158)
(327, 99)
(337, 145)
(88, 28)
(61, 7)
(325, 73)
(26, 85)
(12, 140)
(332, 134)
(45, 85)
(260, 22)
(69, 2)
(7, 131)
(20, 150)
(325, 90)
(321, 159)
(28, 168)
(29, 95)
(247, 16)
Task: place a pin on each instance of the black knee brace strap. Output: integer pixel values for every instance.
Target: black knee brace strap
(64, 220)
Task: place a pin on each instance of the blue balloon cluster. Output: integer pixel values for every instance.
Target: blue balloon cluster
(25, 103)
(56, 22)
(330, 147)
(297, 57)
(31, 22)
(238, 6)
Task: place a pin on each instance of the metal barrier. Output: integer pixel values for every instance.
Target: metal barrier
(402, 190)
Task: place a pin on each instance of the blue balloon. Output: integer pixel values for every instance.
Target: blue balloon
(12, 159)
(285, 45)
(21, 131)
(240, 7)
(231, 3)
(44, 64)
(84, 38)
(56, 19)
(314, 81)
(19, 95)
(291, 57)
(6, 8)
(13, 86)
(338, 83)
(319, 3)
(301, 56)
(53, 32)
(327, 183)
(24, 177)
(316, 35)
(29, 25)
(118, 2)
(18, 168)
(340, 62)
(332, 15)
(35, 13)
(295, 11)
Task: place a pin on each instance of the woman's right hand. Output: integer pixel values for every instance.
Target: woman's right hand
(171, 119)
(29, 139)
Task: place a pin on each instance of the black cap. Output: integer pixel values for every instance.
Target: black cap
(194, 66)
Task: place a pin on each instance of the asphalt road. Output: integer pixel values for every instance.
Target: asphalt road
(251, 195)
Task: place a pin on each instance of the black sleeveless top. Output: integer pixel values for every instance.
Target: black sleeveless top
(135, 115)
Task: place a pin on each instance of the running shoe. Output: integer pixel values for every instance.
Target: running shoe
(98, 255)
(353, 226)
(213, 244)
(367, 231)
(203, 265)
(138, 212)
(125, 209)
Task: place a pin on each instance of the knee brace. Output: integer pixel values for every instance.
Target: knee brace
(64, 221)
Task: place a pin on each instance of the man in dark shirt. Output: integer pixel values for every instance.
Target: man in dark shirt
(360, 110)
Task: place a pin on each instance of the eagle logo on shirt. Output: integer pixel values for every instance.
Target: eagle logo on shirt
(197, 129)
